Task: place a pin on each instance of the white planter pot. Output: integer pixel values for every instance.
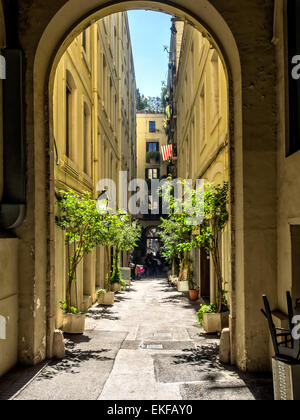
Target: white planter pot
(116, 287)
(106, 298)
(73, 324)
(213, 323)
(183, 286)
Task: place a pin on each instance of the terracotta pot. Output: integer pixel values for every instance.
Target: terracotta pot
(194, 294)
(213, 323)
(73, 324)
(106, 298)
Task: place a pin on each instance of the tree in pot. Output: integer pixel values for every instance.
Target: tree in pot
(176, 233)
(170, 239)
(215, 220)
(122, 236)
(84, 230)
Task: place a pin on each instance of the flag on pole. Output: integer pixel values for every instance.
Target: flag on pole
(167, 152)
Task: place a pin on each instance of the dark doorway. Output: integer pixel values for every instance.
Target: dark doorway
(295, 239)
(205, 275)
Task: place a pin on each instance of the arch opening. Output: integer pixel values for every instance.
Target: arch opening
(68, 23)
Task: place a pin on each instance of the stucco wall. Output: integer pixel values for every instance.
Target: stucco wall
(9, 299)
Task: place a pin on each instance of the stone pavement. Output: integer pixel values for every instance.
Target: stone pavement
(145, 347)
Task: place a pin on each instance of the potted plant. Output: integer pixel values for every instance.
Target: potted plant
(212, 320)
(153, 157)
(178, 241)
(170, 238)
(83, 227)
(189, 233)
(105, 297)
(73, 321)
(215, 220)
(122, 236)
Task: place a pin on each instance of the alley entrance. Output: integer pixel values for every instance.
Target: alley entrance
(146, 347)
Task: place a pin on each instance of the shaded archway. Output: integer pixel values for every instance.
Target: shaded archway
(226, 52)
(208, 22)
(252, 209)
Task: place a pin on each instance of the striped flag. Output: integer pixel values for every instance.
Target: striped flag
(167, 152)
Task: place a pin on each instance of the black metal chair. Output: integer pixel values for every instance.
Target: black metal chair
(285, 346)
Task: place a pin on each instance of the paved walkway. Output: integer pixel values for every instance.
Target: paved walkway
(146, 347)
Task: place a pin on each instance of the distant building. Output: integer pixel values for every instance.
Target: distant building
(151, 136)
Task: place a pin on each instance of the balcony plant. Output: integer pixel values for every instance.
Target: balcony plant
(84, 229)
(153, 157)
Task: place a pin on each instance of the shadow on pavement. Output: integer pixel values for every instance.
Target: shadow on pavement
(16, 379)
(206, 359)
(101, 312)
(73, 360)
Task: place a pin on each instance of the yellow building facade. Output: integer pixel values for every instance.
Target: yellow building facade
(95, 135)
(200, 125)
(151, 136)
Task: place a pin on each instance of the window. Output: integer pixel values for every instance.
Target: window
(152, 147)
(104, 75)
(84, 40)
(152, 152)
(202, 118)
(215, 98)
(68, 119)
(152, 173)
(70, 114)
(152, 128)
(153, 205)
(293, 12)
(86, 140)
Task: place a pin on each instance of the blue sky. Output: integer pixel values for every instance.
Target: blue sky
(150, 31)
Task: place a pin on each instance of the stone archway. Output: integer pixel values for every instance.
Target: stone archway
(252, 210)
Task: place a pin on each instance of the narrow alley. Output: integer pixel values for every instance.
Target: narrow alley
(146, 347)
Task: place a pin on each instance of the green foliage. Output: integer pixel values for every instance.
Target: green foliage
(177, 232)
(152, 104)
(122, 235)
(216, 217)
(212, 309)
(206, 309)
(84, 228)
(68, 309)
(141, 101)
(153, 155)
(107, 283)
(101, 292)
